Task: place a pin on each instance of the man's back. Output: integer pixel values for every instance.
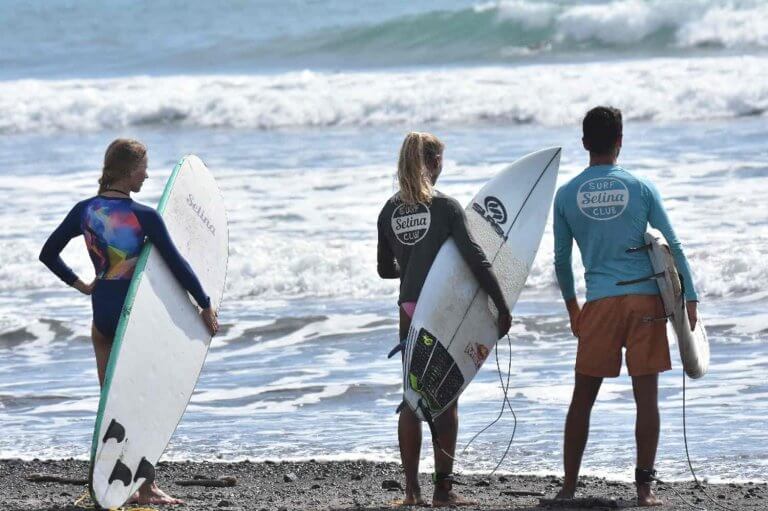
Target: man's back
(606, 210)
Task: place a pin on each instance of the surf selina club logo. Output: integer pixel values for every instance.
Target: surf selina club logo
(603, 198)
(410, 222)
(494, 213)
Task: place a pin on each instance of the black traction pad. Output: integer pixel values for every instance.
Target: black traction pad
(436, 375)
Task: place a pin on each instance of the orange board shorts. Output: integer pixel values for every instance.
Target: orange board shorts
(607, 325)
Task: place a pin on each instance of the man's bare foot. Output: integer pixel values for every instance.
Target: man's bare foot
(445, 497)
(564, 494)
(646, 497)
(151, 494)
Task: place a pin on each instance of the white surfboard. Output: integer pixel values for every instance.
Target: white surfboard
(693, 345)
(454, 325)
(161, 342)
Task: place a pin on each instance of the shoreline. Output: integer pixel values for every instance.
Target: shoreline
(342, 485)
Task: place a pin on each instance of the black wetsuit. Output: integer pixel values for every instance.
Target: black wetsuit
(410, 237)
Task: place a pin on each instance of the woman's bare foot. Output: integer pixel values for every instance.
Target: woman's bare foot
(646, 497)
(151, 494)
(412, 497)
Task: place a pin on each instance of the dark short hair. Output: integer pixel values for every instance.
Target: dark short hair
(602, 129)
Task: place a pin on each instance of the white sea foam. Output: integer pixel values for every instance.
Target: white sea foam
(660, 89)
(689, 23)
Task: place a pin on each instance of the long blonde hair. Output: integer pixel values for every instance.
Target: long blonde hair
(419, 153)
(120, 158)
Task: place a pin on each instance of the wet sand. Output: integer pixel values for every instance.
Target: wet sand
(342, 485)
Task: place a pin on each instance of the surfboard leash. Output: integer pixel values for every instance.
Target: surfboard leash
(504, 404)
(688, 458)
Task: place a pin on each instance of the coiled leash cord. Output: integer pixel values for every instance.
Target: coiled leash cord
(504, 404)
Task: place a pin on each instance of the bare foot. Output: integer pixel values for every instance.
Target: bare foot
(412, 497)
(645, 496)
(153, 495)
(564, 494)
(446, 498)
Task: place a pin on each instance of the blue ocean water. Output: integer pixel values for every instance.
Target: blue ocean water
(299, 108)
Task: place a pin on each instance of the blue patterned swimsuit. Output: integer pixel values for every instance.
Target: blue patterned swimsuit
(115, 229)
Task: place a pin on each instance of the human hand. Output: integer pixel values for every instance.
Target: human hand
(693, 315)
(86, 289)
(504, 322)
(574, 313)
(211, 319)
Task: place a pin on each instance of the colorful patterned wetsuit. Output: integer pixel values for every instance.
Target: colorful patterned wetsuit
(114, 230)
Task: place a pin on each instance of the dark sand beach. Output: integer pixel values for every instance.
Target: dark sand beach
(341, 485)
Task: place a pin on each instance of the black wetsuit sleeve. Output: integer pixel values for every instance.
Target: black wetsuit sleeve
(475, 257)
(386, 264)
(155, 229)
(50, 253)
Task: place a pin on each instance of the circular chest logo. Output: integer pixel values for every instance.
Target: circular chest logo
(410, 222)
(495, 209)
(603, 198)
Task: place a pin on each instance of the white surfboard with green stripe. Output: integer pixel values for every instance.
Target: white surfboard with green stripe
(161, 342)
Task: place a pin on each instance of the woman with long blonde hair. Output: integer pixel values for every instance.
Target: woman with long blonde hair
(413, 225)
(115, 229)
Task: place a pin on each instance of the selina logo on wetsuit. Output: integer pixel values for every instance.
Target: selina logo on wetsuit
(602, 198)
(410, 222)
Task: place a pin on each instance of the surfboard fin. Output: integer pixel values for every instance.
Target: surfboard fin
(643, 279)
(145, 470)
(397, 349)
(114, 430)
(641, 248)
(120, 473)
(428, 419)
(400, 406)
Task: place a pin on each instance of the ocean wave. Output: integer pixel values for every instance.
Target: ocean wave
(508, 30)
(656, 89)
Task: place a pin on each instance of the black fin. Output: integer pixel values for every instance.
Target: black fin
(397, 349)
(120, 473)
(400, 406)
(638, 249)
(145, 470)
(643, 279)
(114, 430)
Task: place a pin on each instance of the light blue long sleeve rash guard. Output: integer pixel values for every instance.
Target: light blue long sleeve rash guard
(606, 210)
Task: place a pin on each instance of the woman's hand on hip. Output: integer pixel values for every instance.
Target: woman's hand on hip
(86, 289)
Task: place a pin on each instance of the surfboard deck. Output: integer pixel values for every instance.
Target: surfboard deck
(161, 342)
(454, 325)
(693, 345)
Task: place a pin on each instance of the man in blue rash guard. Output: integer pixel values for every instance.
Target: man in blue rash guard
(606, 209)
(115, 229)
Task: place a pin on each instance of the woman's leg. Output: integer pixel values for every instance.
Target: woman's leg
(409, 438)
(102, 345)
(148, 493)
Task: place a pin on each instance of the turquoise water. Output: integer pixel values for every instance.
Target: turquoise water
(301, 122)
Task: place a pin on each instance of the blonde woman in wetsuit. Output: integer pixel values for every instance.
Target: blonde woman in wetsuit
(115, 229)
(412, 227)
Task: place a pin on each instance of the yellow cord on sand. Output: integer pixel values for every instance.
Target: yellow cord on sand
(84, 502)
